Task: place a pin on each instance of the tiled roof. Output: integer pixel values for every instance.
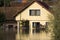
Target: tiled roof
(11, 11)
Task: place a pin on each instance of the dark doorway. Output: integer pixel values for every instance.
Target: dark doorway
(36, 27)
(25, 28)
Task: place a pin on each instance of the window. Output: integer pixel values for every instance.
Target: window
(10, 27)
(35, 24)
(34, 13)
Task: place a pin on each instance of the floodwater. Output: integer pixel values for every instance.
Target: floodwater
(12, 35)
(35, 36)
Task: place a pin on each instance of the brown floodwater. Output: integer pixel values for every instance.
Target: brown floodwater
(12, 35)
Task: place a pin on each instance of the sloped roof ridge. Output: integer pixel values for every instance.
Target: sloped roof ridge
(39, 2)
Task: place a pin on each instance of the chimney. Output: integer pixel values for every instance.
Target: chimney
(24, 1)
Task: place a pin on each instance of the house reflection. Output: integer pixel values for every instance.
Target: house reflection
(37, 32)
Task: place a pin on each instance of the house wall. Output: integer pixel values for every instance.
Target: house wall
(45, 16)
(14, 24)
(6, 26)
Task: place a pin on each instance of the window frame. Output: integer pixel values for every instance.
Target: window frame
(34, 27)
(34, 24)
(35, 10)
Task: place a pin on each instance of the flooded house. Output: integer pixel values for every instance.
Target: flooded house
(31, 19)
(9, 11)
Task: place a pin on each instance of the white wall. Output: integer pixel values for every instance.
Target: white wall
(43, 13)
(44, 17)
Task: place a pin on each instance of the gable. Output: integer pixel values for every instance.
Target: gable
(35, 5)
(30, 3)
